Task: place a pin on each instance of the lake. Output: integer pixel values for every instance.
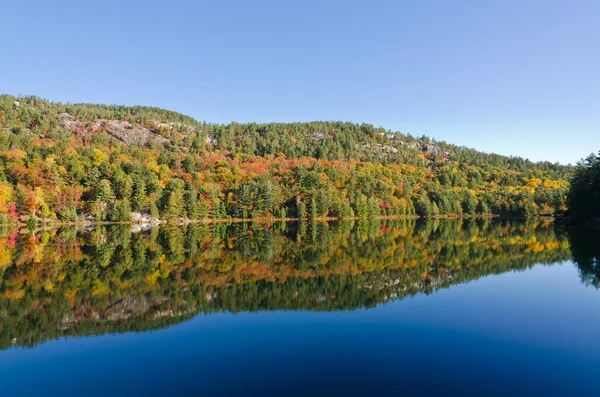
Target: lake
(451, 307)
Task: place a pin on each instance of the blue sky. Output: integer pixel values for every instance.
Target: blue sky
(511, 77)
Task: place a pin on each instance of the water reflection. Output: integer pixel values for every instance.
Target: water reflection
(67, 282)
(585, 245)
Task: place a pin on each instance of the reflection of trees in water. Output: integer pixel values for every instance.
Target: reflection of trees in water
(111, 280)
(585, 246)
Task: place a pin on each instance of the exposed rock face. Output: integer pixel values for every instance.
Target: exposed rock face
(394, 138)
(416, 145)
(397, 143)
(130, 134)
(124, 131)
(67, 121)
(143, 222)
(433, 149)
(378, 148)
(144, 218)
(317, 136)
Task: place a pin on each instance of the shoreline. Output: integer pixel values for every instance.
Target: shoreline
(45, 225)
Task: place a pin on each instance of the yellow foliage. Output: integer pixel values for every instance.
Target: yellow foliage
(71, 153)
(153, 166)
(99, 288)
(48, 286)
(534, 182)
(16, 154)
(70, 293)
(5, 257)
(5, 195)
(99, 157)
(14, 294)
(153, 277)
(50, 160)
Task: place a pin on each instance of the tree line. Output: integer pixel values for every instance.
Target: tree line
(63, 162)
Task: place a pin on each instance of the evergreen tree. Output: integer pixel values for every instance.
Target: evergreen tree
(469, 203)
(483, 208)
(104, 192)
(154, 213)
(121, 211)
(191, 202)
(313, 211)
(139, 193)
(176, 205)
(301, 212)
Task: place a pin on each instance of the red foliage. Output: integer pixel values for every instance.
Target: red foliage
(20, 173)
(69, 196)
(12, 211)
(186, 177)
(92, 127)
(12, 239)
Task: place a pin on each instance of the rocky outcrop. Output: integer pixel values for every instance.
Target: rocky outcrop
(124, 131)
(137, 217)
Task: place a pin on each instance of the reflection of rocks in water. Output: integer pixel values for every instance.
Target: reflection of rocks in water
(67, 283)
(125, 308)
(128, 310)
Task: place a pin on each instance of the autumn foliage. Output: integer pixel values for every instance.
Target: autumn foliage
(66, 162)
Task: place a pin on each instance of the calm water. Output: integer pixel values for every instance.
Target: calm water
(390, 308)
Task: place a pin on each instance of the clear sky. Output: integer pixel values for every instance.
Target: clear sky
(511, 77)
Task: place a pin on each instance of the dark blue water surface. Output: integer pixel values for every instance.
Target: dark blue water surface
(532, 331)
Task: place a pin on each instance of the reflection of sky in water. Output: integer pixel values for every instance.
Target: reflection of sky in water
(532, 332)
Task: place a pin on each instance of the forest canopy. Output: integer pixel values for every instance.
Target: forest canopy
(69, 162)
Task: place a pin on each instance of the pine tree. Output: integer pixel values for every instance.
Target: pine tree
(423, 206)
(103, 192)
(483, 208)
(176, 205)
(139, 193)
(300, 208)
(191, 203)
(313, 208)
(121, 211)
(154, 213)
(374, 210)
(202, 208)
(469, 203)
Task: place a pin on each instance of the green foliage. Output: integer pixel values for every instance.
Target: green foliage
(104, 192)
(154, 213)
(121, 211)
(68, 213)
(301, 212)
(176, 205)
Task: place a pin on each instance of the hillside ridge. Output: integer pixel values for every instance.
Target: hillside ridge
(103, 162)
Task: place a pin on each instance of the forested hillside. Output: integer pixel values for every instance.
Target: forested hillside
(95, 162)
